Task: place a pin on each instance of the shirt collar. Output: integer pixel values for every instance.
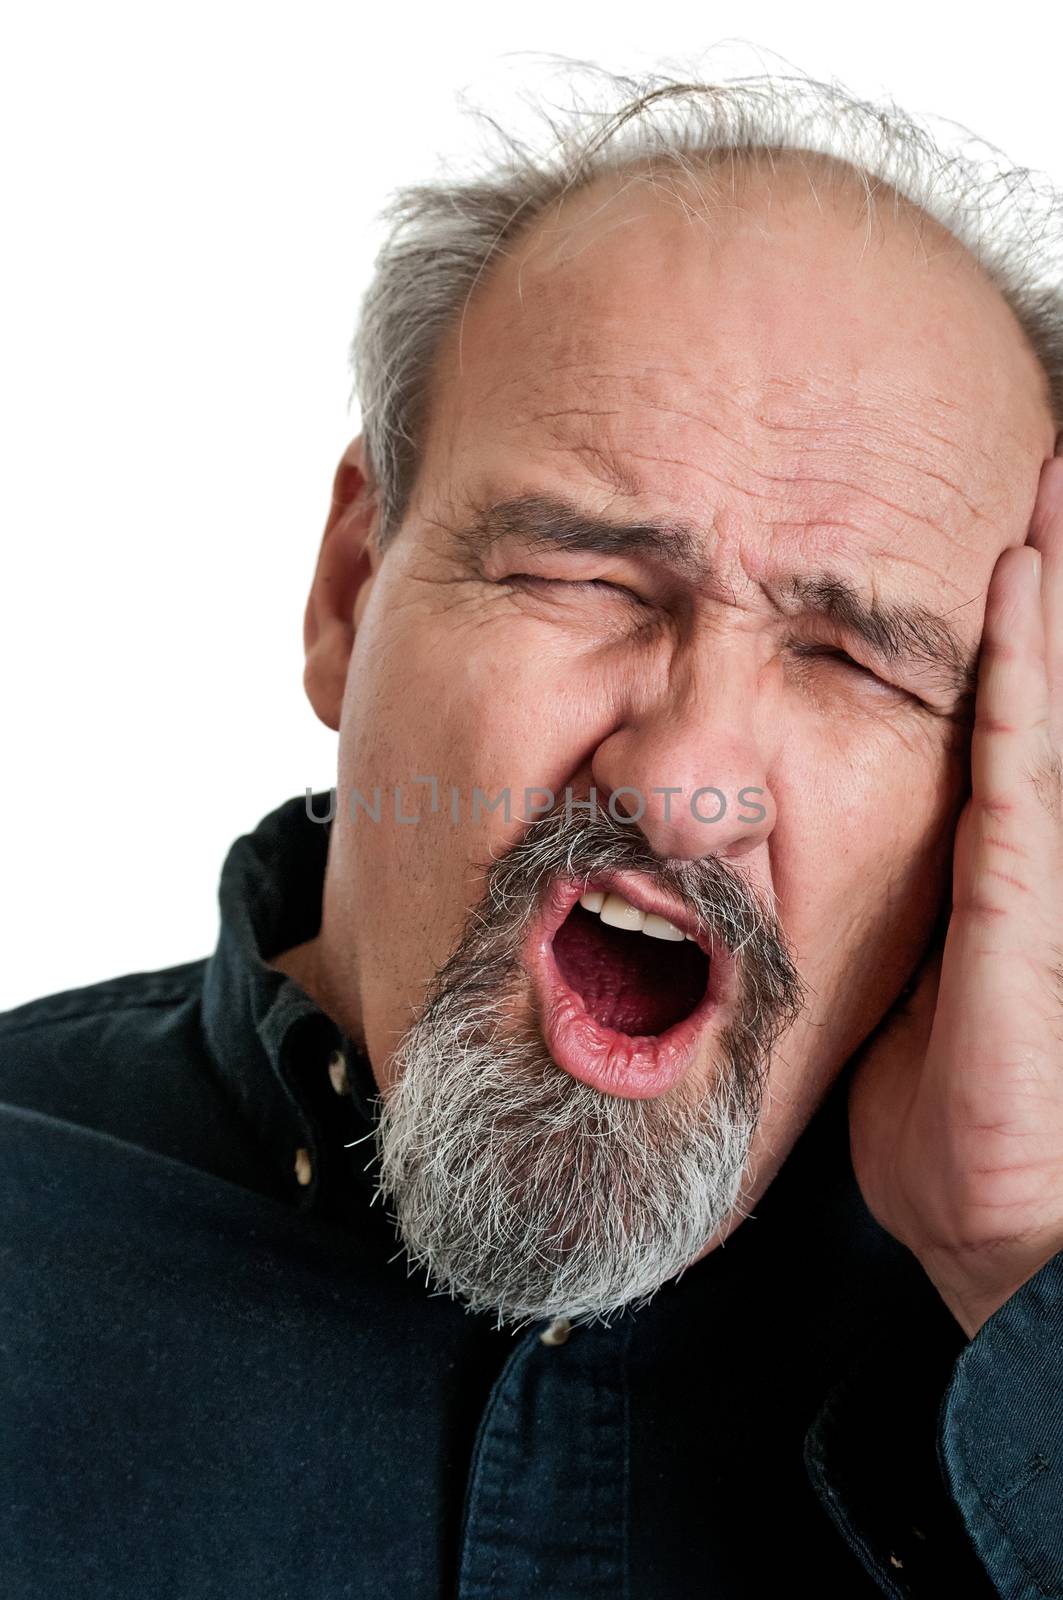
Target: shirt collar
(270, 1042)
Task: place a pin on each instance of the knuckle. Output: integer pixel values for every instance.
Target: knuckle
(1046, 779)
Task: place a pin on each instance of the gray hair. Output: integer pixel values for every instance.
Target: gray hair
(443, 235)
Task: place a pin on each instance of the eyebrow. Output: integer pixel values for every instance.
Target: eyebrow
(549, 520)
(894, 631)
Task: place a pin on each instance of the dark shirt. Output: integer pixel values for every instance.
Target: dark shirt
(221, 1378)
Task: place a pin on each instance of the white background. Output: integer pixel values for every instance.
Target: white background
(189, 194)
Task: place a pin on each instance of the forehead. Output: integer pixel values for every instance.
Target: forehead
(768, 364)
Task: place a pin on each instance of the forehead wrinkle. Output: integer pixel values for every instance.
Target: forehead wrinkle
(747, 492)
(899, 558)
(805, 481)
(920, 455)
(604, 462)
(575, 427)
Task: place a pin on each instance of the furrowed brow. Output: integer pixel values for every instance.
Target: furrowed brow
(549, 521)
(894, 631)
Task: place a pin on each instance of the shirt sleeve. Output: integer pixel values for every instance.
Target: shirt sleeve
(1000, 1439)
(938, 1458)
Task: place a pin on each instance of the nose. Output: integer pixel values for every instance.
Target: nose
(690, 771)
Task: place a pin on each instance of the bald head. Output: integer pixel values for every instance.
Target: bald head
(761, 342)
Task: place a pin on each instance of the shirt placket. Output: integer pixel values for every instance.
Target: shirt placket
(547, 1503)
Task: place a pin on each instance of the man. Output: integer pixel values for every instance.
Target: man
(617, 1143)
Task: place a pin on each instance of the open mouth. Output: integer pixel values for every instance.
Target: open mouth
(628, 980)
(625, 992)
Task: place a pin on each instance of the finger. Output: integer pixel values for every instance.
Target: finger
(1010, 747)
(1046, 535)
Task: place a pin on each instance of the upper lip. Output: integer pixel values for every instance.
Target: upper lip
(647, 897)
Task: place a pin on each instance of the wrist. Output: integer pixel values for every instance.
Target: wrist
(972, 1299)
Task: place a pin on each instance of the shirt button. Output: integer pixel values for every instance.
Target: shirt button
(337, 1071)
(303, 1169)
(557, 1332)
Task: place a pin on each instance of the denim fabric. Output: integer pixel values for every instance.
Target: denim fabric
(220, 1381)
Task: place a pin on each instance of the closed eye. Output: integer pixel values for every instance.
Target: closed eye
(834, 653)
(535, 580)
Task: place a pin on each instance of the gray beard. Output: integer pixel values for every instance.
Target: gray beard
(524, 1192)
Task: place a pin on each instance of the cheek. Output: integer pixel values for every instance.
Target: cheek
(488, 704)
(861, 859)
(478, 708)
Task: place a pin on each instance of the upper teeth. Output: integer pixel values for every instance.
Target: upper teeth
(616, 911)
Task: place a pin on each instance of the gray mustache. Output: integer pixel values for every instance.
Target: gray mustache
(719, 894)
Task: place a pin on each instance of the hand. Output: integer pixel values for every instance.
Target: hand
(956, 1105)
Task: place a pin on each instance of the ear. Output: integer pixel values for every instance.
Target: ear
(346, 568)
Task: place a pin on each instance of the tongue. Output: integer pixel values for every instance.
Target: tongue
(627, 981)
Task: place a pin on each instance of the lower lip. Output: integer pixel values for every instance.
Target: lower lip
(636, 1067)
